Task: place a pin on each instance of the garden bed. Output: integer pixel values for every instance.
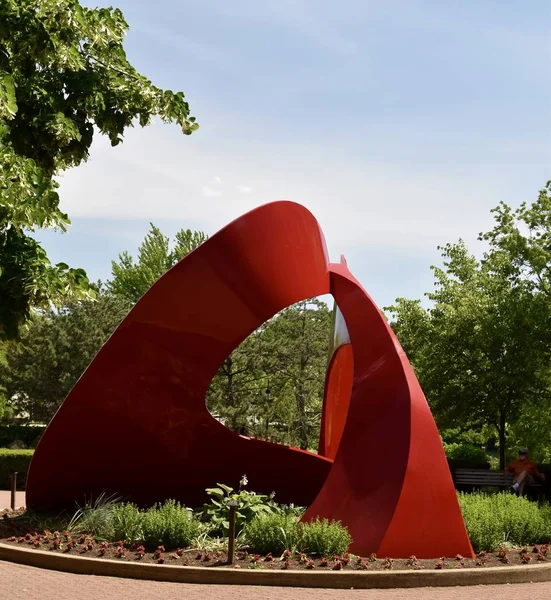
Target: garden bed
(17, 531)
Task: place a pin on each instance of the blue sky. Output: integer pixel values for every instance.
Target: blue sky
(399, 124)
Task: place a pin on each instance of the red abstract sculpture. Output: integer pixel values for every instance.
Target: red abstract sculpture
(136, 423)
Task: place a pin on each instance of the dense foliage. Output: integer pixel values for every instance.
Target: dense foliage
(63, 76)
(14, 461)
(496, 519)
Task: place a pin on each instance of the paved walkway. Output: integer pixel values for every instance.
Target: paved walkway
(18, 582)
(5, 499)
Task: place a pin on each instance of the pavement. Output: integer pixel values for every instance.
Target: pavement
(5, 499)
(19, 582)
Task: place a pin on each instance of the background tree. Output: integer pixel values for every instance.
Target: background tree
(240, 381)
(481, 349)
(53, 351)
(155, 256)
(523, 237)
(296, 346)
(63, 75)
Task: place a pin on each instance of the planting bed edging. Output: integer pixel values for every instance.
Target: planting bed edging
(306, 579)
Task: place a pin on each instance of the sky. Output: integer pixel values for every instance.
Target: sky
(400, 124)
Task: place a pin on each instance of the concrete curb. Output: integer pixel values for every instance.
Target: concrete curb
(303, 579)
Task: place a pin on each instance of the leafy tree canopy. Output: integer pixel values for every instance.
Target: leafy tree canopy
(63, 75)
(155, 256)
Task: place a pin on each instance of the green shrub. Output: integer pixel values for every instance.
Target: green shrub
(127, 522)
(274, 533)
(466, 456)
(324, 538)
(28, 434)
(170, 525)
(14, 460)
(494, 519)
(249, 505)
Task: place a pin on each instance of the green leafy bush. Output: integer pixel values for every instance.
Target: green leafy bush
(170, 525)
(324, 538)
(127, 522)
(273, 532)
(466, 456)
(28, 434)
(494, 519)
(249, 505)
(11, 461)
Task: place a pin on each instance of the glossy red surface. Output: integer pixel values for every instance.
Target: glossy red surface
(136, 424)
(390, 483)
(338, 389)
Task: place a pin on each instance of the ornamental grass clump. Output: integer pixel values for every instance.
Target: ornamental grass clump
(95, 517)
(493, 520)
(324, 538)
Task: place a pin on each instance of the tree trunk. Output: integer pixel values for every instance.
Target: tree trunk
(229, 389)
(301, 401)
(302, 425)
(501, 432)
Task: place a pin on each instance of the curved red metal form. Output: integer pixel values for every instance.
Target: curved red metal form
(136, 423)
(390, 483)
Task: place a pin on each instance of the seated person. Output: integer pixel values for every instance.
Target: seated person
(524, 472)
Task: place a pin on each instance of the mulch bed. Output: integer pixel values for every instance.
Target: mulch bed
(19, 532)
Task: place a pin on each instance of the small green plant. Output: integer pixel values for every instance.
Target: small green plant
(249, 506)
(127, 522)
(324, 538)
(207, 543)
(274, 532)
(95, 517)
(170, 525)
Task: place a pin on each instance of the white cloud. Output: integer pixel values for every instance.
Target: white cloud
(160, 174)
(209, 192)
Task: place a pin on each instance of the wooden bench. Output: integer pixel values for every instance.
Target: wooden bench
(485, 478)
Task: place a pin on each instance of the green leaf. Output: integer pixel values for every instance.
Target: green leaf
(8, 101)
